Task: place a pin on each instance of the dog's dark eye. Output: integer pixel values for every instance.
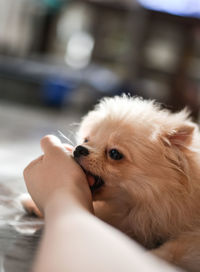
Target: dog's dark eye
(85, 140)
(115, 154)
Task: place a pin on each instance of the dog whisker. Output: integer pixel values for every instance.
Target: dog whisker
(65, 137)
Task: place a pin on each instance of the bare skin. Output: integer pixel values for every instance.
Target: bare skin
(74, 239)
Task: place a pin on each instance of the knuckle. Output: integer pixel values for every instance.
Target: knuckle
(46, 138)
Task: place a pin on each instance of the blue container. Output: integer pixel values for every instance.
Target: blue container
(55, 91)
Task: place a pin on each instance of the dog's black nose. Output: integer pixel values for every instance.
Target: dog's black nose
(80, 151)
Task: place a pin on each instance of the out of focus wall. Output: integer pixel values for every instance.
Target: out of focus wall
(71, 53)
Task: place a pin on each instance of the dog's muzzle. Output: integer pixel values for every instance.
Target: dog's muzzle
(95, 182)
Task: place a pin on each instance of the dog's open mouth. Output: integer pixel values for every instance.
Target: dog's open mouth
(95, 182)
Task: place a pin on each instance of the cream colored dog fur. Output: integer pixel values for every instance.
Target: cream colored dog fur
(151, 187)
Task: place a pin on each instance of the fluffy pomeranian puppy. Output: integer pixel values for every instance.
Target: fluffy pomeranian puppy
(143, 166)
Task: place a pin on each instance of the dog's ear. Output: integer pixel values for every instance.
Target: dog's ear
(180, 136)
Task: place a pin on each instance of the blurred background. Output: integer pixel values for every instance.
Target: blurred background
(59, 57)
(68, 54)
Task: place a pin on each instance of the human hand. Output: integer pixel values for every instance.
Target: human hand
(56, 174)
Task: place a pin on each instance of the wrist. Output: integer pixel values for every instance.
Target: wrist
(63, 202)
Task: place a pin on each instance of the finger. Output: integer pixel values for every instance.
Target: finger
(50, 143)
(31, 165)
(68, 147)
